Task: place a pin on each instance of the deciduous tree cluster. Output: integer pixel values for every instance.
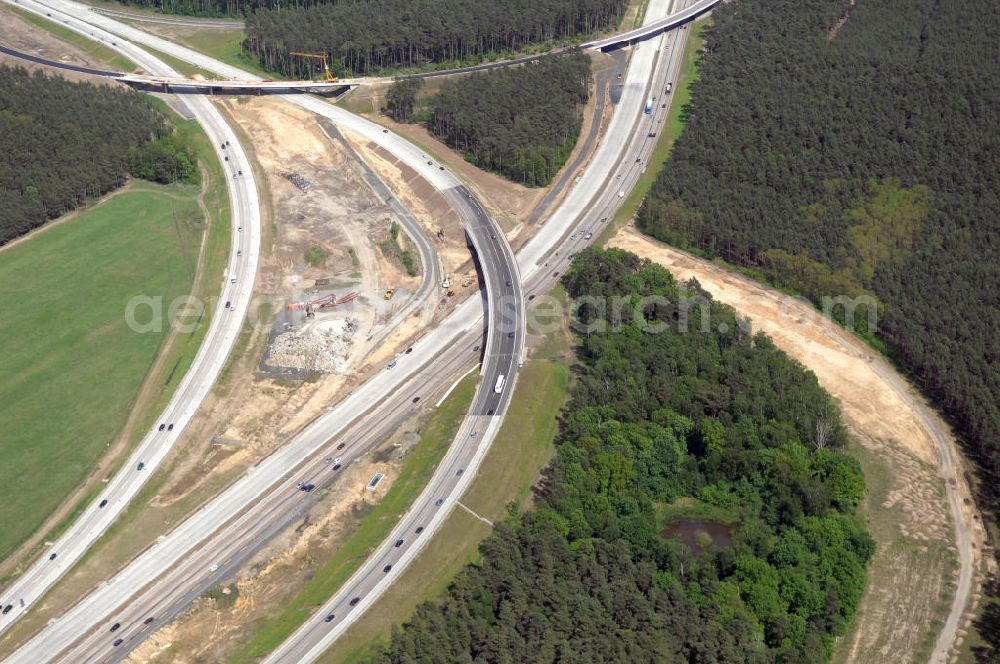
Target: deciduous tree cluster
(859, 159)
(660, 418)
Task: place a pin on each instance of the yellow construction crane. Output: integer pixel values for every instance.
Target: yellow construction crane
(318, 56)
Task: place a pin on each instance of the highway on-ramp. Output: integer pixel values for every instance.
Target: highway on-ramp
(189, 555)
(617, 170)
(502, 356)
(220, 337)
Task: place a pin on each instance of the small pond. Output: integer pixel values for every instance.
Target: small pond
(700, 533)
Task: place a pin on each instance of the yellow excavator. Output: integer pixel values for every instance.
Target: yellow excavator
(319, 56)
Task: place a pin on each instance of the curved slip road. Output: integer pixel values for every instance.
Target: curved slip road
(624, 150)
(540, 261)
(503, 355)
(224, 328)
(185, 542)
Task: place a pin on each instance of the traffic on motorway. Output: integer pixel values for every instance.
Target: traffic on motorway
(504, 345)
(400, 547)
(219, 340)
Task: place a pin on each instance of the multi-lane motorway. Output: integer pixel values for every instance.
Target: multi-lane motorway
(228, 529)
(573, 226)
(224, 328)
(502, 283)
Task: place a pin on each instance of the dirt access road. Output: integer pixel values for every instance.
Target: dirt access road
(919, 509)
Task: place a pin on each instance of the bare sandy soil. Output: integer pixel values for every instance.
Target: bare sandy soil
(510, 203)
(21, 35)
(912, 577)
(439, 221)
(247, 417)
(217, 625)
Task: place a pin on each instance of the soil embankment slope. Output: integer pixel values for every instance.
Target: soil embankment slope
(920, 578)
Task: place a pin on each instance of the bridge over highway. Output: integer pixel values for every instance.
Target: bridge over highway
(234, 86)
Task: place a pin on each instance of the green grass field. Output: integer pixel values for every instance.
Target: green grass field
(224, 45)
(71, 366)
(417, 470)
(523, 446)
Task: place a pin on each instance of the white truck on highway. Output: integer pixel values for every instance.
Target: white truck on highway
(499, 384)
(649, 106)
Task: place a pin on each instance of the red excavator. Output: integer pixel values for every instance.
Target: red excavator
(325, 302)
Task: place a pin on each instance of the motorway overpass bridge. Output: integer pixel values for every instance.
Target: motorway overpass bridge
(654, 28)
(181, 85)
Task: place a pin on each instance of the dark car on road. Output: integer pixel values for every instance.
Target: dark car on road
(330, 617)
(355, 601)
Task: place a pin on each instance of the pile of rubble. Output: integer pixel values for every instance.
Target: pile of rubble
(297, 180)
(322, 346)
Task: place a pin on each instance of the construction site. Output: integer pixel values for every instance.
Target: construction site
(300, 344)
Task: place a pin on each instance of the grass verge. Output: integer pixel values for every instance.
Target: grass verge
(72, 365)
(224, 45)
(523, 446)
(182, 67)
(153, 228)
(416, 471)
(92, 48)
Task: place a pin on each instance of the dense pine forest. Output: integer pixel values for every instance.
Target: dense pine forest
(221, 7)
(853, 160)
(663, 423)
(62, 143)
(521, 122)
(365, 37)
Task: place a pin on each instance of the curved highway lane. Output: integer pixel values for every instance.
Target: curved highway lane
(224, 327)
(624, 126)
(502, 281)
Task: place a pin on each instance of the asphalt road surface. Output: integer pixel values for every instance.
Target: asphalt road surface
(186, 21)
(539, 259)
(503, 353)
(254, 525)
(647, 74)
(245, 492)
(224, 327)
